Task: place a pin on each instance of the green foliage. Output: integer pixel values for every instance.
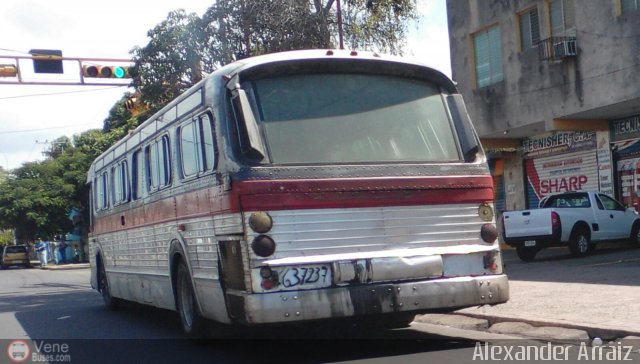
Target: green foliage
(379, 25)
(185, 46)
(6, 237)
(36, 198)
(173, 59)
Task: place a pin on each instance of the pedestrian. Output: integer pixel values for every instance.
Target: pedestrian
(62, 247)
(41, 250)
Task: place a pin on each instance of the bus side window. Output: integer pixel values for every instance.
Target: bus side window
(120, 183)
(188, 147)
(196, 147)
(209, 152)
(102, 196)
(137, 175)
(158, 165)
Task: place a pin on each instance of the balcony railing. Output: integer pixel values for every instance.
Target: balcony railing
(557, 48)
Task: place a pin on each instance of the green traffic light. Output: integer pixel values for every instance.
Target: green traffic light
(119, 72)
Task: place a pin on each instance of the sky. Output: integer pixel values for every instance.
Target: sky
(31, 117)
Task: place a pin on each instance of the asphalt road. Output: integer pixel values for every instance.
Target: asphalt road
(59, 308)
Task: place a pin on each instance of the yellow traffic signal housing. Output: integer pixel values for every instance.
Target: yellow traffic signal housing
(96, 71)
(8, 70)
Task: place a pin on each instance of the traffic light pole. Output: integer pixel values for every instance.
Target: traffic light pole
(13, 75)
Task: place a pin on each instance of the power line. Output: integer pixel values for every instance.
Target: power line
(61, 93)
(41, 129)
(12, 50)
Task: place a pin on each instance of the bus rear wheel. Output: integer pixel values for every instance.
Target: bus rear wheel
(193, 324)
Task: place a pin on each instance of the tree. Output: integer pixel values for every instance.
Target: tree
(185, 46)
(35, 200)
(173, 59)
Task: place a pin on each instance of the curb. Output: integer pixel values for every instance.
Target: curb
(66, 266)
(602, 332)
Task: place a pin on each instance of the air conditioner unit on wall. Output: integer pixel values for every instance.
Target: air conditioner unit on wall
(565, 48)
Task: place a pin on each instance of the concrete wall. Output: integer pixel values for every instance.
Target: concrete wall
(605, 72)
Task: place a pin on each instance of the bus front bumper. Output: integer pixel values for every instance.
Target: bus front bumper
(368, 299)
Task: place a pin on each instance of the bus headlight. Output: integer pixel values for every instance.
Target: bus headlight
(263, 246)
(260, 222)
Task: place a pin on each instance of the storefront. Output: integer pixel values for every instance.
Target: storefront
(625, 139)
(566, 161)
(496, 167)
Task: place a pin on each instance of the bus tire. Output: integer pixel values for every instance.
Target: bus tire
(193, 324)
(110, 302)
(579, 242)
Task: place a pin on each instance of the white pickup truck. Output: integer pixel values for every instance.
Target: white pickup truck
(577, 219)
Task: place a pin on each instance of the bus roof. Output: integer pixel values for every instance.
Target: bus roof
(248, 64)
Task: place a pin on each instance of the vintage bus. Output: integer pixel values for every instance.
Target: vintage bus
(299, 186)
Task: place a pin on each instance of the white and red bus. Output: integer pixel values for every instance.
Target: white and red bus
(300, 186)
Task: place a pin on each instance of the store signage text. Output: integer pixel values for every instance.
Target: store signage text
(563, 184)
(559, 142)
(625, 126)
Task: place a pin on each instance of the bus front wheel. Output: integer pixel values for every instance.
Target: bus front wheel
(193, 324)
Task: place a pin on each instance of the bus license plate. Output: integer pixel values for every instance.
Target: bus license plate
(305, 277)
(530, 243)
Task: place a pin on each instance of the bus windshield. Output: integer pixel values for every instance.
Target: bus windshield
(352, 118)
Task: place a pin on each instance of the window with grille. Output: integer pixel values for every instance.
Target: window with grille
(488, 56)
(529, 29)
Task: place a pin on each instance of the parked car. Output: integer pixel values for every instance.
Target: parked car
(15, 255)
(575, 219)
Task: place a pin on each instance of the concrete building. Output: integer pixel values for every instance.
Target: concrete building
(553, 87)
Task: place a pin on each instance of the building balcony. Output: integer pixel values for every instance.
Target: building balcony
(557, 48)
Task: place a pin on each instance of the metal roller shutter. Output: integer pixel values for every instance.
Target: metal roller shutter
(576, 171)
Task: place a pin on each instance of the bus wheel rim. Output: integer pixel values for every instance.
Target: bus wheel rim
(187, 302)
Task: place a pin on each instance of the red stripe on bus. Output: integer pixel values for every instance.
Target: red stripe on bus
(371, 192)
(301, 194)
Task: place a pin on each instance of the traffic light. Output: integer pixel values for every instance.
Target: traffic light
(95, 71)
(8, 70)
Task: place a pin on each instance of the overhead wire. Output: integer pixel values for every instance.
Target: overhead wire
(61, 93)
(42, 129)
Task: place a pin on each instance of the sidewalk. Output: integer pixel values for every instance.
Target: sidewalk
(559, 296)
(53, 266)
